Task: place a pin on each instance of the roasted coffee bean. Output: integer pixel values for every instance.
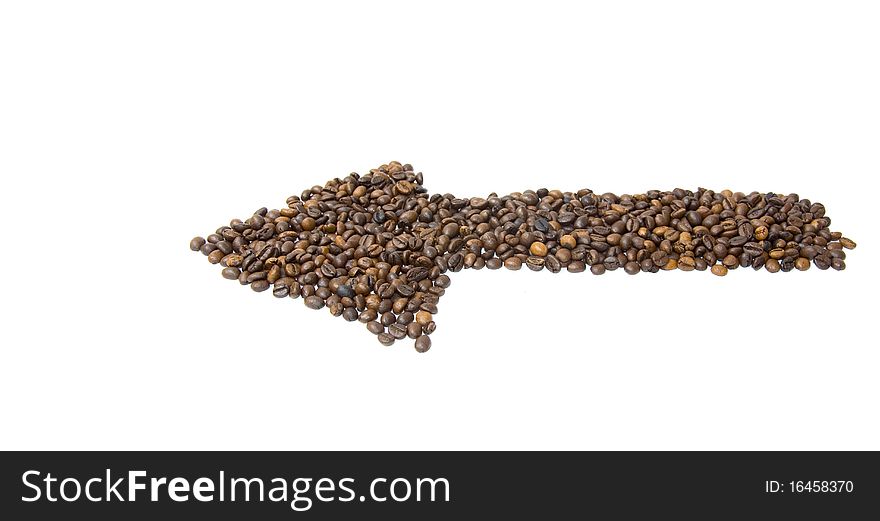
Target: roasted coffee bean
(385, 339)
(260, 286)
(535, 263)
(576, 267)
(313, 302)
(368, 315)
(513, 263)
(231, 273)
(197, 243)
(822, 262)
(423, 343)
(215, 257)
(350, 314)
(398, 331)
(414, 330)
(375, 327)
(281, 291)
(753, 249)
(430, 327)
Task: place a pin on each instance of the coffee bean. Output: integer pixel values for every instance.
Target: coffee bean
(423, 343)
(375, 327)
(753, 248)
(368, 315)
(822, 262)
(398, 331)
(231, 273)
(430, 327)
(314, 302)
(414, 330)
(385, 339)
(423, 317)
(535, 263)
(260, 286)
(215, 256)
(513, 263)
(197, 243)
(761, 233)
(576, 267)
(847, 243)
(350, 314)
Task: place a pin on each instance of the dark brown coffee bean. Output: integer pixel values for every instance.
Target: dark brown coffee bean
(719, 269)
(414, 330)
(847, 243)
(423, 343)
(259, 286)
(231, 273)
(350, 314)
(398, 331)
(753, 249)
(513, 263)
(576, 267)
(368, 315)
(314, 302)
(375, 327)
(535, 263)
(196, 243)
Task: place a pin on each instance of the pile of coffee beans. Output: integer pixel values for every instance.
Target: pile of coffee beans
(378, 248)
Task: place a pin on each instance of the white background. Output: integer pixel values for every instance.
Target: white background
(126, 128)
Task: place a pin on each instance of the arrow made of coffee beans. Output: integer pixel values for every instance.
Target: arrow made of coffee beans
(377, 248)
